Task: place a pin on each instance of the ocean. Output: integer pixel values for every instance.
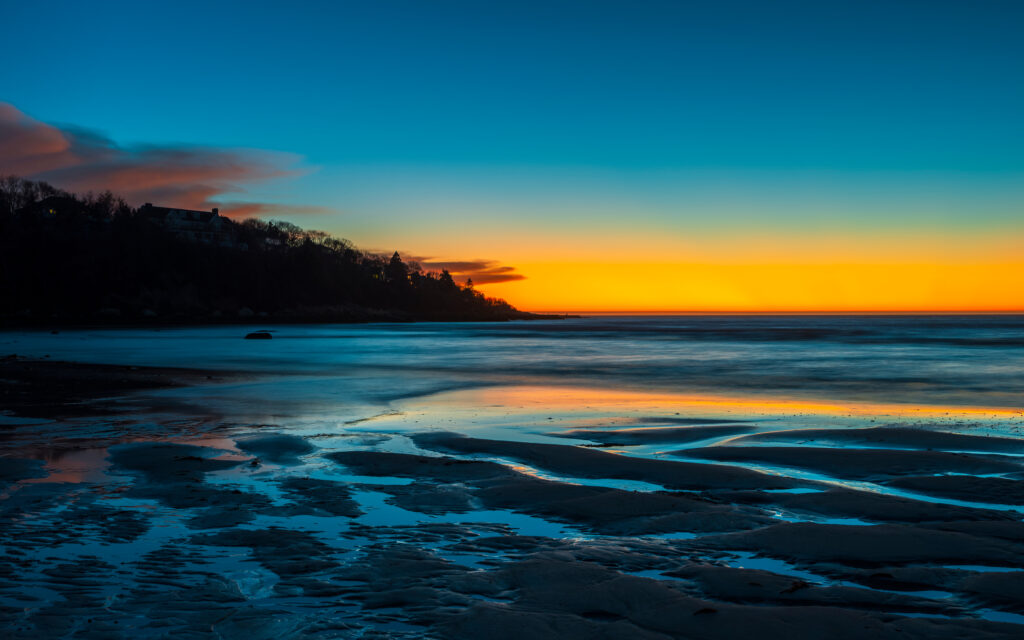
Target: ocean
(975, 360)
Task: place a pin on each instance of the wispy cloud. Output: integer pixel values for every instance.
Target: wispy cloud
(191, 177)
(481, 271)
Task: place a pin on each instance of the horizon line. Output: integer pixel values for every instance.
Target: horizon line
(817, 312)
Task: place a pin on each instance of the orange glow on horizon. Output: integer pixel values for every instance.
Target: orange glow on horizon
(765, 287)
(826, 269)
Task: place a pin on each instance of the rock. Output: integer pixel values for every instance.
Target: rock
(258, 335)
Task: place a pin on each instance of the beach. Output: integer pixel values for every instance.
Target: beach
(689, 477)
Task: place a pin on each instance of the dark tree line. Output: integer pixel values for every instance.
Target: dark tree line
(92, 258)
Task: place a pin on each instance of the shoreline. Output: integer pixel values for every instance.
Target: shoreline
(44, 388)
(158, 323)
(374, 316)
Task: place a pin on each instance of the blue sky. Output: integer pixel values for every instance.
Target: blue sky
(744, 85)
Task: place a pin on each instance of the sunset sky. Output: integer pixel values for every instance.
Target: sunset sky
(576, 156)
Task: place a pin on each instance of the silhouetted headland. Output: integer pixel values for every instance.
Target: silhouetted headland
(71, 259)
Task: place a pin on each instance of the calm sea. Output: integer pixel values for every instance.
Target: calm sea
(975, 360)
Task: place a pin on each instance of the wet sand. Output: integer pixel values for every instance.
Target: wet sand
(52, 388)
(128, 520)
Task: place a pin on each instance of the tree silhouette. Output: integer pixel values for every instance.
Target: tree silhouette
(396, 271)
(67, 258)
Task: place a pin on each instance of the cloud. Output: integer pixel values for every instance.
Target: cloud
(190, 177)
(481, 271)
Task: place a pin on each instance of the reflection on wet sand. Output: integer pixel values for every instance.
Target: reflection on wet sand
(398, 526)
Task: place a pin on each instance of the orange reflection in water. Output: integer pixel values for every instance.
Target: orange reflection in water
(73, 466)
(578, 398)
(76, 466)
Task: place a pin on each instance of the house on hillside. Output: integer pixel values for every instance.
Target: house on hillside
(53, 206)
(199, 226)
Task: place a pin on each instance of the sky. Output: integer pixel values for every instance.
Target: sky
(573, 156)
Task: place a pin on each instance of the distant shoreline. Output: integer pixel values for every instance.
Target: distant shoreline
(84, 260)
(655, 314)
(380, 317)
